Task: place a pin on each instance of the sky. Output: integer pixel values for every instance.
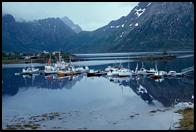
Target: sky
(88, 15)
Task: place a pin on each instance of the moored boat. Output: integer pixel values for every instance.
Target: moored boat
(95, 73)
(30, 70)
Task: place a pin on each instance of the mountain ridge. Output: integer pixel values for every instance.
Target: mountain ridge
(150, 26)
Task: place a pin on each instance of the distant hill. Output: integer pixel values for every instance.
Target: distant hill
(69, 23)
(45, 34)
(155, 26)
(150, 26)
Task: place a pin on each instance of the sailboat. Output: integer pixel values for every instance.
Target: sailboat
(142, 70)
(125, 72)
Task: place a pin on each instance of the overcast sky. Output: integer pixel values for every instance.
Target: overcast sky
(89, 15)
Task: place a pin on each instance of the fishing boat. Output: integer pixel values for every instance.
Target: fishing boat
(171, 73)
(157, 75)
(84, 69)
(49, 69)
(124, 72)
(175, 74)
(109, 68)
(69, 72)
(151, 71)
(30, 70)
(114, 72)
(95, 73)
(163, 73)
(61, 64)
(142, 71)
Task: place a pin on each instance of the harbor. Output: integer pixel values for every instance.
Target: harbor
(65, 93)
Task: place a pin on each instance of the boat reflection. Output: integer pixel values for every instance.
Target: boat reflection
(50, 81)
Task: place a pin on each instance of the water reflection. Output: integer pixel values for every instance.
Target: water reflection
(165, 90)
(51, 81)
(168, 90)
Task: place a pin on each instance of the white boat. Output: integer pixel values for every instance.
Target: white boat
(82, 69)
(92, 72)
(158, 75)
(163, 73)
(61, 64)
(114, 72)
(49, 69)
(171, 73)
(151, 71)
(109, 68)
(124, 72)
(30, 70)
(142, 71)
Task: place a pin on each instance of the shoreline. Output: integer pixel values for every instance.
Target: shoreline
(143, 58)
(187, 121)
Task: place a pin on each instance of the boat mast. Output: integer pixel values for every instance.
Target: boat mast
(136, 68)
(156, 67)
(128, 63)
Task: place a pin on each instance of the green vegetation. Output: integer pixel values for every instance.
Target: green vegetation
(14, 57)
(156, 57)
(187, 123)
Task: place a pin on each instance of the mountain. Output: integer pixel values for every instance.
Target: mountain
(150, 26)
(44, 34)
(73, 26)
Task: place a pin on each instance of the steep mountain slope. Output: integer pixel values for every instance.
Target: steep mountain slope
(46, 34)
(73, 26)
(148, 27)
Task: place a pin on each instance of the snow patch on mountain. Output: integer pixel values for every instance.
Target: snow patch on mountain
(139, 12)
(136, 24)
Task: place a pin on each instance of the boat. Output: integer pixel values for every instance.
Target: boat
(61, 64)
(67, 72)
(124, 72)
(49, 69)
(163, 73)
(114, 72)
(95, 73)
(84, 69)
(151, 71)
(30, 70)
(179, 74)
(109, 68)
(171, 73)
(142, 71)
(157, 75)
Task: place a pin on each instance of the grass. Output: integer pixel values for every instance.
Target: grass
(187, 122)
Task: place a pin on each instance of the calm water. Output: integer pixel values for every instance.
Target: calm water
(40, 94)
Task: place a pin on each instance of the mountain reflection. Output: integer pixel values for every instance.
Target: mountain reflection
(168, 91)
